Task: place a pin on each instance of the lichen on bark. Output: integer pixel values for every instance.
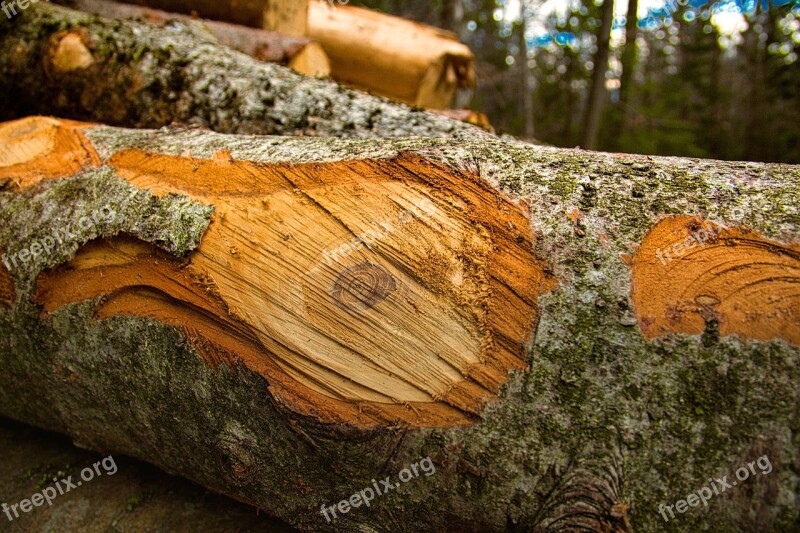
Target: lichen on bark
(55, 218)
(602, 419)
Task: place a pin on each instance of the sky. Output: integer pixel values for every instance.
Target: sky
(728, 23)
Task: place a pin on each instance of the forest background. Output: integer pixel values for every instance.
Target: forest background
(715, 80)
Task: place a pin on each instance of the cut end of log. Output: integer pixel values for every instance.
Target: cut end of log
(70, 53)
(390, 56)
(693, 276)
(364, 292)
(311, 61)
(37, 148)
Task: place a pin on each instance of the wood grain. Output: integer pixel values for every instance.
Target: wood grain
(365, 292)
(691, 274)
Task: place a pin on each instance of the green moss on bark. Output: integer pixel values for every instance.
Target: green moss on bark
(602, 416)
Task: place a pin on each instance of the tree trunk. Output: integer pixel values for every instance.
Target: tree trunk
(451, 16)
(299, 53)
(73, 69)
(597, 93)
(526, 93)
(295, 321)
(619, 124)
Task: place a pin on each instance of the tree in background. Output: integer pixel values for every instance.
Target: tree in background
(628, 60)
(597, 90)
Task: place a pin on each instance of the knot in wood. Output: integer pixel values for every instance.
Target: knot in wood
(362, 287)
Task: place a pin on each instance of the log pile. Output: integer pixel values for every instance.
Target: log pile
(380, 318)
(388, 56)
(289, 17)
(300, 53)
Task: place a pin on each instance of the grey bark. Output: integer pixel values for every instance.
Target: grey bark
(603, 420)
(147, 77)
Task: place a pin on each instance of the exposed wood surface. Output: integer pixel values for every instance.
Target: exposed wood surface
(467, 115)
(691, 275)
(365, 291)
(286, 16)
(39, 148)
(300, 53)
(390, 56)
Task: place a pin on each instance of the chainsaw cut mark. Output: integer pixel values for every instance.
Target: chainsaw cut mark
(731, 277)
(37, 148)
(421, 323)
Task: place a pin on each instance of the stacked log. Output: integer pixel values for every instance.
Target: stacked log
(299, 53)
(393, 57)
(285, 320)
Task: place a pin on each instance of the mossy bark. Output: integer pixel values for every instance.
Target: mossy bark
(601, 429)
(145, 76)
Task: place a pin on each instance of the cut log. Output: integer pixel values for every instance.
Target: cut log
(391, 56)
(287, 321)
(283, 16)
(299, 53)
(196, 81)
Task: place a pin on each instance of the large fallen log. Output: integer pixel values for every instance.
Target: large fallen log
(57, 61)
(299, 53)
(460, 334)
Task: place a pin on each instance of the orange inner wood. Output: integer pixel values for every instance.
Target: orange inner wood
(38, 148)
(430, 347)
(689, 272)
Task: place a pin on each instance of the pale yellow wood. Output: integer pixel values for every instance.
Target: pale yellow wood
(365, 291)
(286, 16)
(390, 56)
(311, 61)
